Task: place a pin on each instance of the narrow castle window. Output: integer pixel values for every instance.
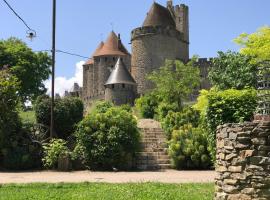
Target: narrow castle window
(112, 86)
(123, 85)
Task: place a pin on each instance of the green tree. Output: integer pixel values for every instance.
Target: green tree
(232, 70)
(30, 68)
(9, 119)
(256, 44)
(175, 81)
(68, 112)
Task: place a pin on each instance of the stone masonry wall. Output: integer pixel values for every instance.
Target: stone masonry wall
(149, 52)
(120, 94)
(243, 162)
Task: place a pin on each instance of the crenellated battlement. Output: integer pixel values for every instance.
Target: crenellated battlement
(156, 30)
(204, 60)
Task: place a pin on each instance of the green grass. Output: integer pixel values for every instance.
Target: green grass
(104, 191)
(28, 116)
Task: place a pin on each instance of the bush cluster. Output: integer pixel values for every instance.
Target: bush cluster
(67, 113)
(147, 105)
(52, 151)
(175, 120)
(228, 106)
(188, 148)
(108, 138)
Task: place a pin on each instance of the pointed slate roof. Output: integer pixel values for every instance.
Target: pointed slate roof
(120, 74)
(159, 16)
(112, 46)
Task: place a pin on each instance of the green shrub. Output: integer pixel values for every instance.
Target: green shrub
(164, 108)
(174, 120)
(188, 148)
(102, 106)
(67, 113)
(230, 106)
(108, 139)
(147, 105)
(52, 151)
(220, 107)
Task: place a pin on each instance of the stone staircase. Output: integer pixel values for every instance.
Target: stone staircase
(153, 154)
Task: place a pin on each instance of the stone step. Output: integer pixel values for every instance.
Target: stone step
(149, 146)
(154, 148)
(154, 136)
(154, 140)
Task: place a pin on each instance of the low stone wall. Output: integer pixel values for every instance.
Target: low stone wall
(243, 162)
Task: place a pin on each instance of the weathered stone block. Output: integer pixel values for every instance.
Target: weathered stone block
(230, 156)
(235, 168)
(230, 181)
(221, 169)
(258, 141)
(246, 153)
(230, 189)
(239, 197)
(248, 191)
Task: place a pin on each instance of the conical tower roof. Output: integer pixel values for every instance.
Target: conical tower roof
(159, 16)
(120, 74)
(112, 46)
(99, 47)
(101, 44)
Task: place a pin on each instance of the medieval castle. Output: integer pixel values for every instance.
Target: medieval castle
(113, 74)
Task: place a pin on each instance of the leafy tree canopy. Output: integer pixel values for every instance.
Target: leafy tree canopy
(256, 44)
(232, 70)
(175, 81)
(29, 67)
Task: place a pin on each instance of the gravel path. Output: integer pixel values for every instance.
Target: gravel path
(168, 176)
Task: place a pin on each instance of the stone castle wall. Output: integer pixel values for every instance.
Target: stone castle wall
(120, 94)
(151, 46)
(95, 76)
(243, 161)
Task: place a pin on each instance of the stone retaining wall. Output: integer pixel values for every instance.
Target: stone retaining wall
(243, 162)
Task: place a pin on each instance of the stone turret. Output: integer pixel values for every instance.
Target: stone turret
(97, 70)
(163, 35)
(120, 86)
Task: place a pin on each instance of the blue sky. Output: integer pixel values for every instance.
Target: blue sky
(82, 23)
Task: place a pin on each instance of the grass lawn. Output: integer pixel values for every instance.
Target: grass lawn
(104, 191)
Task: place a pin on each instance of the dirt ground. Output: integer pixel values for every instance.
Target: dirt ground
(168, 176)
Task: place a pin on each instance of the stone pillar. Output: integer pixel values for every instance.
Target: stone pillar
(243, 162)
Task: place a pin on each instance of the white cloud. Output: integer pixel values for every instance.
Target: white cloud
(63, 84)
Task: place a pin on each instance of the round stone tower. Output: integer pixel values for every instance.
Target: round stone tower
(120, 88)
(163, 35)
